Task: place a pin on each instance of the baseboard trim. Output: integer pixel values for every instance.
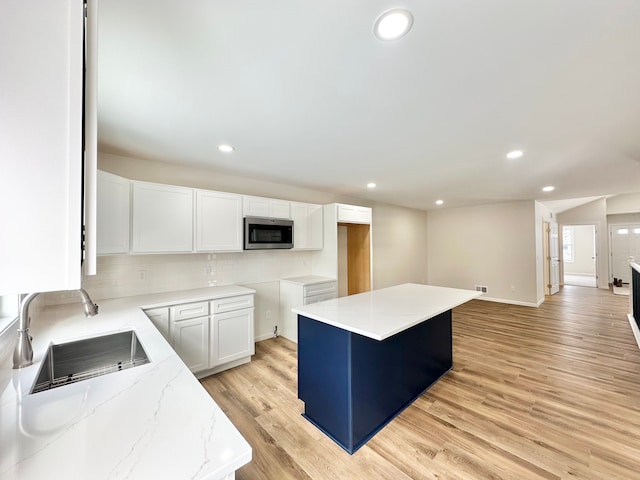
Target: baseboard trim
(510, 302)
(266, 336)
(634, 328)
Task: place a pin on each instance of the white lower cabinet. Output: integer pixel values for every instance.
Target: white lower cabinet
(299, 291)
(191, 342)
(160, 318)
(231, 337)
(209, 335)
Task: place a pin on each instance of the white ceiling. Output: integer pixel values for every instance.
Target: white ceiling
(309, 97)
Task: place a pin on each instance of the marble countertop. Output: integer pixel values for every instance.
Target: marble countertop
(380, 314)
(308, 280)
(148, 422)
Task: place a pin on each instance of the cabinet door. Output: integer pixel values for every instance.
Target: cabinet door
(300, 217)
(307, 225)
(218, 221)
(255, 206)
(280, 209)
(191, 342)
(113, 214)
(265, 207)
(231, 336)
(40, 145)
(162, 218)
(316, 227)
(160, 318)
(354, 214)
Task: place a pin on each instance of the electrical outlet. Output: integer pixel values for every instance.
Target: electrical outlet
(142, 275)
(481, 288)
(207, 271)
(268, 315)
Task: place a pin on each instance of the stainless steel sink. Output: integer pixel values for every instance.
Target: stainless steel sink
(71, 362)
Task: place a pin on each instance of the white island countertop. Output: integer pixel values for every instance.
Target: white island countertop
(152, 421)
(380, 314)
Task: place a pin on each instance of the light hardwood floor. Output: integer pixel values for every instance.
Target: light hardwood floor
(546, 393)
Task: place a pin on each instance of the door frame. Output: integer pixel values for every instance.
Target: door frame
(611, 227)
(596, 244)
(546, 248)
(546, 226)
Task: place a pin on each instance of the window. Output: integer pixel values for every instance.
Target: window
(623, 231)
(568, 247)
(636, 231)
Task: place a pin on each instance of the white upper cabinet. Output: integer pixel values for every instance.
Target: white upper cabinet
(162, 218)
(40, 145)
(218, 221)
(307, 226)
(113, 214)
(353, 214)
(265, 207)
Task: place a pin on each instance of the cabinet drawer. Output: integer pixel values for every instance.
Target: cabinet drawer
(319, 288)
(229, 304)
(189, 310)
(320, 298)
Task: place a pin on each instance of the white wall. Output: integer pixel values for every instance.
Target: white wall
(593, 213)
(625, 203)
(490, 245)
(623, 218)
(583, 263)
(399, 245)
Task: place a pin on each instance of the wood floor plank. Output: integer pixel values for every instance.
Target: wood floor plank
(535, 393)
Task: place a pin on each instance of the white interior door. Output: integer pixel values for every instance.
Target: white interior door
(554, 260)
(625, 243)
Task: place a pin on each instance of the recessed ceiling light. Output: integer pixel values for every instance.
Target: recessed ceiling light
(439, 202)
(548, 188)
(515, 154)
(371, 185)
(393, 24)
(226, 148)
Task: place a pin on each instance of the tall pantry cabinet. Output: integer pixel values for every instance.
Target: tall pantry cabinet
(41, 53)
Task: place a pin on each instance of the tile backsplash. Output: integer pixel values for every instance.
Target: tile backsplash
(127, 275)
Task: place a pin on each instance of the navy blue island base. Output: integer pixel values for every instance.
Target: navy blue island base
(352, 385)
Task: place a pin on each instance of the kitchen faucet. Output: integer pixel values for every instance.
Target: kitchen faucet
(23, 352)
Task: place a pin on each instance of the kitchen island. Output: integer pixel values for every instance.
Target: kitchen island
(364, 358)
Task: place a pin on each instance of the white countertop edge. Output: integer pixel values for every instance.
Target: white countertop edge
(305, 280)
(362, 309)
(157, 300)
(145, 409)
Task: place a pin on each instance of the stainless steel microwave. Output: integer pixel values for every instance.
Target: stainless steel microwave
(267, 233)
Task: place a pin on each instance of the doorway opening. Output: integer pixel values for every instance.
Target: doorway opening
(624, 242)
(354, 258)
(579, 255)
